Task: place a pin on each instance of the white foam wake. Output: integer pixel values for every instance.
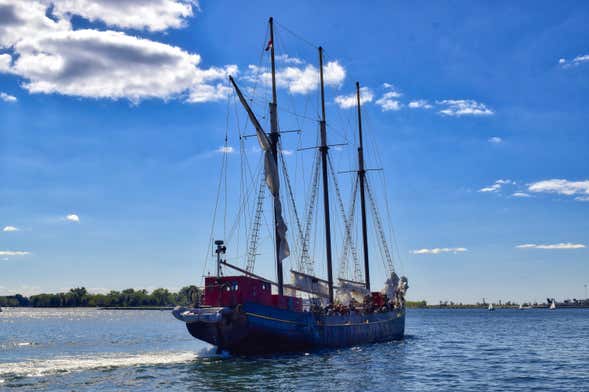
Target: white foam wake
(37, 368)
(210, 352)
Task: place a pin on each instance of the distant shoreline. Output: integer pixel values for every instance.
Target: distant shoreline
(163, 299)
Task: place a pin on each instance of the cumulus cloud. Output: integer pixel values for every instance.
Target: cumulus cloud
(51, 57)
(72, 218)
(109, 64)
(7, 97)
(14, 253)
(19, 19)
(208, 93)
(574, 62)
(389, 100)
(350, 101)
(436, 251)
(495, 140)
(419, 104)
(562, 245)
(10, 228)
(496, 186)
(300, 80)
(562, 187)
(463, 107)
(153, 15)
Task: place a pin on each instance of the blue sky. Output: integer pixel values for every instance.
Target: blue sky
(113, 114)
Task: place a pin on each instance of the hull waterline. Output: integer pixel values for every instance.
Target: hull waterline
(257, 329)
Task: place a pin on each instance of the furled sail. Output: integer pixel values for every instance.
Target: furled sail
(271, 174)
(348, 291)
(309, 284)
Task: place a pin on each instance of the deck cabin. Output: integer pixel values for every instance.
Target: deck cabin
(235, 290)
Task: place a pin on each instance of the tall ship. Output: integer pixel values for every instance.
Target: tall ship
(244, 312)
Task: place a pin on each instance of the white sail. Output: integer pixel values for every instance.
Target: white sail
(348, 291)
(309, 284)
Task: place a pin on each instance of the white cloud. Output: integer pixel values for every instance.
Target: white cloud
(574, 62)
(387, 101)
(153, 15)
(51, 57)
(10, 228)
(496, 186)
(464, 107)
(108, 64)
(492, 188)
(495, 140)
(21, 19)
(562, 245)
(392, 90)
(300, 80)
(7, 97)
(14, 253)
(562, 187)
(419, 104)
(5, 62)
(285, 58)
(225, 149)
(520, 194)
(435, 251)
(350, 101)
(208, 93)
(72, 218)
(333, 74)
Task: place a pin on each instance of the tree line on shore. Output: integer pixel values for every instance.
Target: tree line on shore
(79, 296)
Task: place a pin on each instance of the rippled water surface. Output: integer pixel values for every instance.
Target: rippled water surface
(457, 350)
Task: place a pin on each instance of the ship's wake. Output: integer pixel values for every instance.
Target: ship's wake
(210, 352)
(46, 367)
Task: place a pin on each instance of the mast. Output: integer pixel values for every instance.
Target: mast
(274, 147)
(362, 178)
(323, 148)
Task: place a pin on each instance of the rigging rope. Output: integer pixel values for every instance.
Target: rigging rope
(255, 230)
(348, 241)
(296, 35)
(380, 231)
(306, 261)
(291, 198)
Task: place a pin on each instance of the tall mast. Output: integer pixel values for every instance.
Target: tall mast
(362, 178)
(323, 148)
(274, 146)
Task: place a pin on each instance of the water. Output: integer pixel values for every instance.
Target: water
(458, 350)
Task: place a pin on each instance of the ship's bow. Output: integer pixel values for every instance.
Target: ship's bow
(220, 326)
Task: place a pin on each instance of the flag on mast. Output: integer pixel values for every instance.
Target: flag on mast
(269, 46)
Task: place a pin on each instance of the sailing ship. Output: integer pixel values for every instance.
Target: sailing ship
(248, 314)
